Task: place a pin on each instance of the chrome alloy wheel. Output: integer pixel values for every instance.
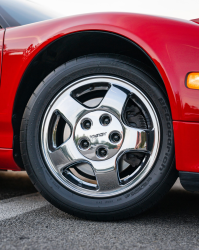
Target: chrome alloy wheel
(100, 151)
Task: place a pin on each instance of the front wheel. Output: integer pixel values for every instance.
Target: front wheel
(97, 138)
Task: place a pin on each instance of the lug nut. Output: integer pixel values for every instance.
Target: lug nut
(102, 152)
(86, 124)
(84, 144)
(115, 137)
(105, 120)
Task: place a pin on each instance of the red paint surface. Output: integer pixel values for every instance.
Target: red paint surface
(1, 48)
(186, 146)
(172, 44)
(6, 160)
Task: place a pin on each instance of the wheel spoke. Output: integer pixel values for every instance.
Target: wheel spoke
(107, 177)
(137, 139)
(114, 100)
(65, 155)
(69, 108)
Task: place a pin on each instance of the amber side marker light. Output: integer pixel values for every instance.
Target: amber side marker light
(193, 80)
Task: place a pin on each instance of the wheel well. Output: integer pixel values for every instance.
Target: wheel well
(65, 49)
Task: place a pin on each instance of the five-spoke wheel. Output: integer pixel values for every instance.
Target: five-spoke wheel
(100, 137)
(97, 138)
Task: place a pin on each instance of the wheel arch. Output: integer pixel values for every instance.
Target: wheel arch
(65, 49)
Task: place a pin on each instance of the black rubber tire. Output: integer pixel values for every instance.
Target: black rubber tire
(144, 195)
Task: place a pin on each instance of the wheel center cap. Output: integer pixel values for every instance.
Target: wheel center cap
(98, 135)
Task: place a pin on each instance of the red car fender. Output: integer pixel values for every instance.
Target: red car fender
(173, 45)
(2, 32)
(186, 146)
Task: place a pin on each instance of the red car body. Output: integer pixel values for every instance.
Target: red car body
(173, 46)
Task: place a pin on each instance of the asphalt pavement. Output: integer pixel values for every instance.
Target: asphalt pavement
(27, 221)
(15, 184)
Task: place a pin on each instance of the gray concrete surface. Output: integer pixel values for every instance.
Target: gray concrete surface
(29, 222)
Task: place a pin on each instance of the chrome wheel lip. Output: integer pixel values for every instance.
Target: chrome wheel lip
(145, 170)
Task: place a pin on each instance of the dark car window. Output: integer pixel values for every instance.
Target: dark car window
(21, 12)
